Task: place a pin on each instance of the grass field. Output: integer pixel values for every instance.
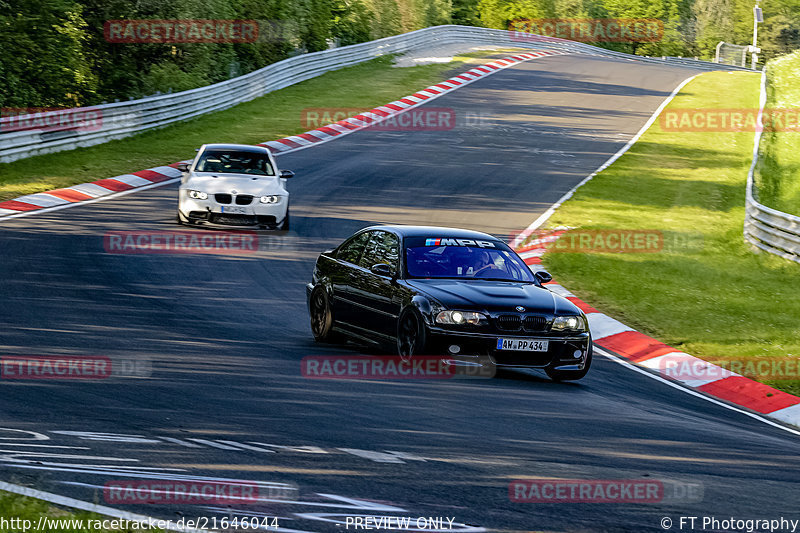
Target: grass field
(272, 116)
(778, 172)
(705, 293)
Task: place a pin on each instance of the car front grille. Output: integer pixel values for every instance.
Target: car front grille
(233, 219)
(513, 323)
(509, 322)
(223, 198)
(244, 199)
(534, 323)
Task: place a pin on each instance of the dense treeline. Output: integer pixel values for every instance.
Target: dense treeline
(54, 52)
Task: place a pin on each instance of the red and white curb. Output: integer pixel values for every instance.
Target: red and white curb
(668, 362)
(381, 113)
(89, 192)
(155, 177)
(646, 352)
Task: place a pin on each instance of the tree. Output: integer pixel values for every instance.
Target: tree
(44, 64)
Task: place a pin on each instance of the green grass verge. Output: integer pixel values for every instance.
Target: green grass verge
(706, 293)
(15, 509)
(778, 172)
(272, 116)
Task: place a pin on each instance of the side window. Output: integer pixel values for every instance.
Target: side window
(351, 250)
(383, 247)
(371, 250)
(388, 252)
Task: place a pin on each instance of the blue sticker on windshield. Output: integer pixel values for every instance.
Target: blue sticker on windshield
(458, 242)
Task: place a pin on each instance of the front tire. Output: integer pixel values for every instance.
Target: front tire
(285, 224)
(321, 316)
(411, 335)
(572, 375)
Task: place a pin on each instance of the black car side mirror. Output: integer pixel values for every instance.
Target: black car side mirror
(543, 276)
(183, 167)
(382, 269)
(286, 174)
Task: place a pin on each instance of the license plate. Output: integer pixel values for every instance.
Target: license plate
(235, 210)
(522, 345)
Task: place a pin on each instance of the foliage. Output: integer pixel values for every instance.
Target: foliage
(55, 52)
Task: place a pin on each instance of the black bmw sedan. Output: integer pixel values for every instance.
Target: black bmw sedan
(421, 290)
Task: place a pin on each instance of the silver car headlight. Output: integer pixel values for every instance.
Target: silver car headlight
(574, 323)
(270, 199)
(458, 318)
(198, 195)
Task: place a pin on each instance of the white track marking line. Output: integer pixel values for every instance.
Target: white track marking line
(674, 385)
(547, 214)
(86, 506)
(180, 442)
(213, 444)
(245, 446)
(85, 202)
(273, 143)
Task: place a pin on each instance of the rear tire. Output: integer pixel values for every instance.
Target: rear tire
(322, 317)
(411, 335)
(572, 375)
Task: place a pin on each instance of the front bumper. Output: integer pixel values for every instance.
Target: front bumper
(566, 352)
(230, 214)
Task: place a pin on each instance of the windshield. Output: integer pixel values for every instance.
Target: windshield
(234, 162)
(464, 258)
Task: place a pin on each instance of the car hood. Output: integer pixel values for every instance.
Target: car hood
(493, 296)
(241, 183)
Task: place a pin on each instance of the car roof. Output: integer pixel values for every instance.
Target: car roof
(435, 231)
(240, 147)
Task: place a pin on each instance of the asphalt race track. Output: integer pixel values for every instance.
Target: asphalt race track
(221, 338)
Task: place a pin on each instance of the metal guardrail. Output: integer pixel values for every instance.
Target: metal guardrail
(122, 119)
(766, 228)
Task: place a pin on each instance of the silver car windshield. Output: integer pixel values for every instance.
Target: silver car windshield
(234, 162)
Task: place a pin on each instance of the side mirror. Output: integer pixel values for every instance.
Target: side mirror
(543, 276)
(286, 174)
(382, 269)
(183, 167)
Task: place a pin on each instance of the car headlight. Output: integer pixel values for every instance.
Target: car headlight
(198, 195)
(270, 199)
(459, 318)
(576, 323)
